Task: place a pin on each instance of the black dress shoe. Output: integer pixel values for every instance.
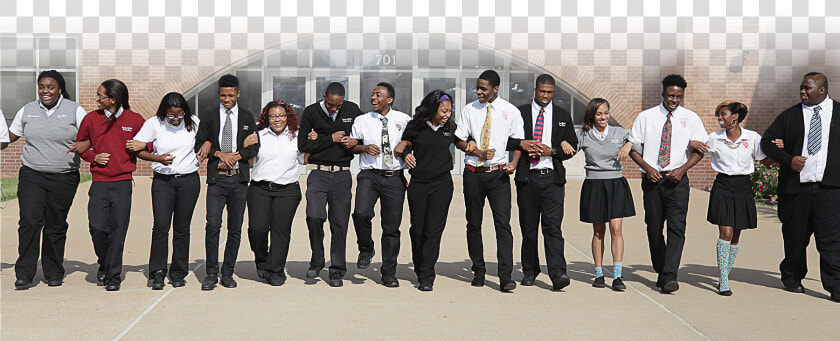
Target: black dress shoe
(209, 282)
(618, 284)
(528, 280)
(335, 280)
(425, 287)
(112, 287)
(478, 280)
(261, 273)
(178, 282)
(660, 282)
(158, 278)
(670, 286)
(835, 296)
(364, 259)
(507, 285)
(599, 282)
(22, 282)
(228, 281)
(55, 282)
(794, 287)
(100, 276)
(275, 280)
(313, 272)
(390, 281)
(560, 282)
(725, 293)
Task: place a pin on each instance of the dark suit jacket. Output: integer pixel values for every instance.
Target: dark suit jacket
(562, 129)
(790, 127)
(208, 130)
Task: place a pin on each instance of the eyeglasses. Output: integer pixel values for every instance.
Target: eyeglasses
(277, 117)
(98, 96)
(172, 117)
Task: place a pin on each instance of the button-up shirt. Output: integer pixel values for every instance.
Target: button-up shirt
(278, 158)
(735, 157)
(234, 119)
(173, 140)
(367, 129)
(545, 161)
(686, 126)
(506, 123)
(815, 164)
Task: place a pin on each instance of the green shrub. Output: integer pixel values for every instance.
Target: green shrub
(764, 181)
(9, 186)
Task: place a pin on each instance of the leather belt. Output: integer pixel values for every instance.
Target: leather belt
(176, 176)
(271, 185)
(542, 171)
(475, 169)
(386, 173)
(229, 172)
(326, 168)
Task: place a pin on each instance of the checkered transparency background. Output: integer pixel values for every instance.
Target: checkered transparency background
(746, 50)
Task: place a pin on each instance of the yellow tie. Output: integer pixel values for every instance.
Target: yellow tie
(485, 134)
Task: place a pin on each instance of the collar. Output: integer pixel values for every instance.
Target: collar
(108, 113)
(434, 127)
(721, 135)
(268, 131)
(826, 103)
(595, 131)
(536, 107)
(664, 111)
(234, 110)
(57, 103)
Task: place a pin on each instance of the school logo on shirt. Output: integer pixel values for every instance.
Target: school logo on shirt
(505, 115)
(684, 122)
(245, 127)
(615, 141)
(746, 144)
(61, 115)
(561, 124)
(127, 129)
(447, 134)
(399, 126)
(347, 120)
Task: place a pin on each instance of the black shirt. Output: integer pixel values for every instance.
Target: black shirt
(324, 151)
(431, 149)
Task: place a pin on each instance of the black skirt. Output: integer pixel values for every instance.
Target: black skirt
(731, 202)
(604, 199)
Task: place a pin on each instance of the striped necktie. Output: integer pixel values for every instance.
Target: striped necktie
(538, 131)
(815, 132)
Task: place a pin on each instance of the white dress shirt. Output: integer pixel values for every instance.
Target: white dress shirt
(686, 126)
(172, 140)
(737, 161)
(17, 123)
(367, 129)
(278, 158)
(506, 123)
(4, 131)
(599, 135)
(545, 161)
(234, 120)
(815, 164)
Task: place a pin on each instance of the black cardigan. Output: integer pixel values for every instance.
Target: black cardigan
(323, 150)
(562, 129)
(790, 127)
(208, 130)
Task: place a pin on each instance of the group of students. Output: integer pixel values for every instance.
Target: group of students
(254, 164)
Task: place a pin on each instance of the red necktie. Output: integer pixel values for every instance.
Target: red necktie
(665, 144)
(538, 131)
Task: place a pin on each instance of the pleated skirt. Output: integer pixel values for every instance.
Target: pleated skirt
(731, 202)
(604, 199)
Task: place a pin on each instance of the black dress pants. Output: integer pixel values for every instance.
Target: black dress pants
(44, 200)
(173, 202)
(271, 210)
(109, 211)
(814, 210)
(227, 191)
(390, 191)
(495, 187)
(666, 201)
(328, 188)
(428, 203)
(541, 197)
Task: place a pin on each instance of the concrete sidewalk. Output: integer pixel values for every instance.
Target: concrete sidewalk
(363, 308)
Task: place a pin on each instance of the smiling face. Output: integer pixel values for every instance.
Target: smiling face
(543, 94)
(672, 97)
(104, 101)
(228, 97)
(380, 99)
(810, 92)
(48, 91)
(726, 118)
(333, 103)
(175, 116)
(443, 114)
(277, 119)
(486, 92)
(602, 117)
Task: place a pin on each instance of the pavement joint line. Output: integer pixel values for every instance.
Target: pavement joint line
(661, 306)
(160, 299)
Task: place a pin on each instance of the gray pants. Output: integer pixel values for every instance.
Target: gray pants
(326, 188)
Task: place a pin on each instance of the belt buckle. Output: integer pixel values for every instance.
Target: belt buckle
(270, 185)
(390, 173)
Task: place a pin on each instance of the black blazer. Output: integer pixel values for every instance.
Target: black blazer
(790, 127)
(562, 129)
(208, 130)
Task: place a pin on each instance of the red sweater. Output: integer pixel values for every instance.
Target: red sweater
(110, 138)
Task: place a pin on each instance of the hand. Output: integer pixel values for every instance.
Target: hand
(78, 147)
(312, 136)
(675, 175)
(203, 151)
(779, 143)
(349, 143)
(399, 150)
(166, 159)
(102, 159)
(471, 147)
(699, 146)
(540, 150)
(624, 151)
(372, 149)
(251, 140)
(567, 148)
(410, 161)
(338, 136)
(222, 166)
(229, 159)
(134, 145)
(528, 145)
(652, 175)
(510, 168)
(488, 154)
(798, 163)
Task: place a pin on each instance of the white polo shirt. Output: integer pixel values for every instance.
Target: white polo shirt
(367, 129)
(17, 123)
(172, 140)
(815, 164)
(735, 157)
(506, 122)
(278, 158)
(4, 131)
(686, 126)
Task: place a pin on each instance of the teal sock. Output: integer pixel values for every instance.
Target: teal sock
(733, 252)
(599, 272)
(616, 270)
(723, 249)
